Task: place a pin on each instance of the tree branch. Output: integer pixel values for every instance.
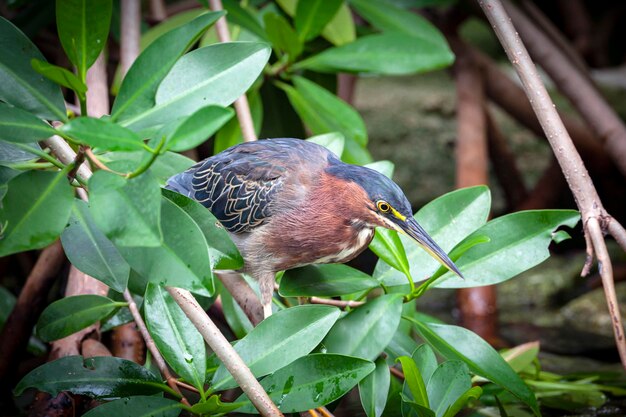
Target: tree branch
(225, 352)
(241, 104)
(576, 174)
(130, 33)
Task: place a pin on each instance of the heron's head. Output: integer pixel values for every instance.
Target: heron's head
(391, 209)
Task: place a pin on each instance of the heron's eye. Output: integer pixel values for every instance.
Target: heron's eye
(383, 206)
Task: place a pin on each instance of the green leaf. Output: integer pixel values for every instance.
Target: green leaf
(17, 125)
(323, 112)
(521, 356)
(169, 24)
(98, 377)
(20, 85)
(178, 340)
(312, 381)
(448, 219)
(471, 394)
(414, 380)
(425, 360)
(527, 232)
(126, 210)
(137, 406)
(282, 36)
(213, 406)
(373, 389)
(386, 54)
(198, 127)
(313, 15)
(34, 211)
(457, 343)
(419, 410)
(222, 251)
(71, 314)
(384, 167)
(333, 141)
(89, 250)
(279, 340)
(388, 17)
(388, 247)
(448, 383)
(181, 259)
(326, 280)
(340, 30)
(365, 331)
(216, 74)
(60, 76)
(244, 18)
(83, 27)
(101, 133)
(139, 87)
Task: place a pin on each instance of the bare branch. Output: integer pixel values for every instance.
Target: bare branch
(576, 174)
(241, 104)
(158, 11)
(243, 295)
(225, 352)
(336, 303)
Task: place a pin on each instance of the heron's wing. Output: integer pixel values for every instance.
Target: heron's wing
(238, 188)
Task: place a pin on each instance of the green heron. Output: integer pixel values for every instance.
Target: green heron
(289, 203)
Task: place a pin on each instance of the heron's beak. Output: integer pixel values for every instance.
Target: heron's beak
(411, 228)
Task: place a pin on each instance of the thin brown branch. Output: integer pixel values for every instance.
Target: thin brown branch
(30, 303)
(606, 272)
(158, 359)
(225, 352)
(346, 86)
(241, 104)
(576, 175)
(187, 386)
(580, 91)
(396, 372)
(618, 232)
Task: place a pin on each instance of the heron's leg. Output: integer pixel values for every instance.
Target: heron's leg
(266, 284)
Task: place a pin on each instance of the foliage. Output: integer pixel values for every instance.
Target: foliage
(134, 235)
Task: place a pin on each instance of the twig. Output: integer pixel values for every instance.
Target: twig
(577, 88)
(225, 352)
(396, 372)
(187, 386)
(130, 33)
(336, 303)
(606, 273)
(66, 154)
(30, 303)
(98, 90)
(158, 359)
(587, 199)
(241, 104)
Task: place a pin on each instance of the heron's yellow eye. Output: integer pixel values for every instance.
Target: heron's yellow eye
(383, 206)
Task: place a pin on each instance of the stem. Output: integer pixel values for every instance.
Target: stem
(40, 153)
(143, 168)
(83, 105)
(225, 352)
(241, 104)
(158, 359)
